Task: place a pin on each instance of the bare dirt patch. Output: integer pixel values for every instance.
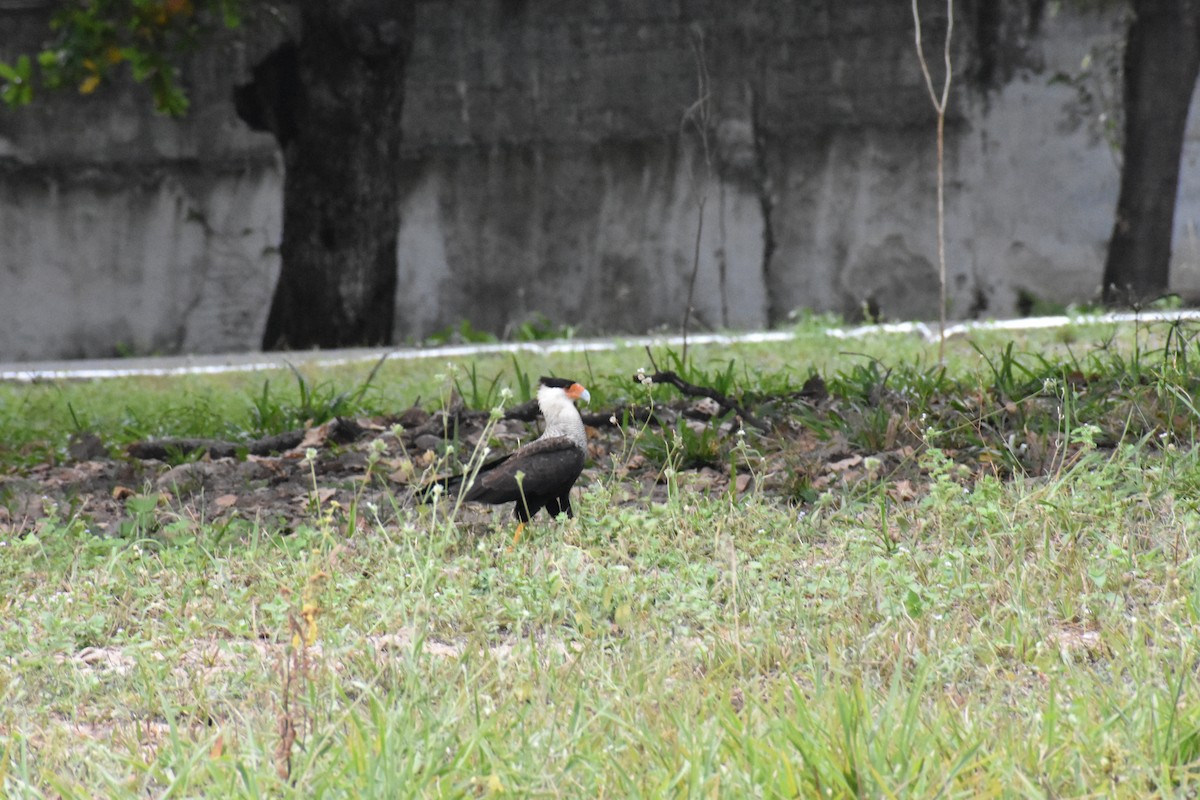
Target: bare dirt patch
(285, 480)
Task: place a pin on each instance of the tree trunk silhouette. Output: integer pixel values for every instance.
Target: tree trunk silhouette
(333, 99)
(1162, 55)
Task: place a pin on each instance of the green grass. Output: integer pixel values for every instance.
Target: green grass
(1022, 634)
(36, 421)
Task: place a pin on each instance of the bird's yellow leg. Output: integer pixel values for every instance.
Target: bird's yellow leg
(517, 535)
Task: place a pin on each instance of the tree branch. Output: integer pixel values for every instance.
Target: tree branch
(692, 390)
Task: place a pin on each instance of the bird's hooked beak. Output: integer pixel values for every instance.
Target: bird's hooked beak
(576, 392)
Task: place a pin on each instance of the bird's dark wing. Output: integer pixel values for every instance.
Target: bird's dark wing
(454, 482)
(548, 468)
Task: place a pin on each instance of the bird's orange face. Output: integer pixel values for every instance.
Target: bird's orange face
(576, 392)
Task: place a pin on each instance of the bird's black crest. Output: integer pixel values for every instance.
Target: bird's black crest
(557, 383)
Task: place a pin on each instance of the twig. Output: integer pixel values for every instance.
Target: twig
(528, 412)
(939, 105)
(343, 430)
(604, 419)
(295, 666)
(650, 355)
(692, 390)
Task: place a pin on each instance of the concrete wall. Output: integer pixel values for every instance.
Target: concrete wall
(549, 175)
(123, 231)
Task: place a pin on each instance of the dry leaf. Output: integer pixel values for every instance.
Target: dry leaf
(402, 470)
(316, 437)
(844, 464)
(89, 84)
(320, 497)
(743, 483)
(902, 491)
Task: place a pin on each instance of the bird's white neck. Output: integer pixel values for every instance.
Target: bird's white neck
(562, 418)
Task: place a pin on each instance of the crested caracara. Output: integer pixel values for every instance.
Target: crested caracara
(539, 474)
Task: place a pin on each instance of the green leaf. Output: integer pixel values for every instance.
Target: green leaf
(18, 86)
(142, 504)
(20, 72)
(230, 13)
(913, 603)
(172, 101)
(141, 65)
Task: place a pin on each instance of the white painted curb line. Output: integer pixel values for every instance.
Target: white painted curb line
(251, 362)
